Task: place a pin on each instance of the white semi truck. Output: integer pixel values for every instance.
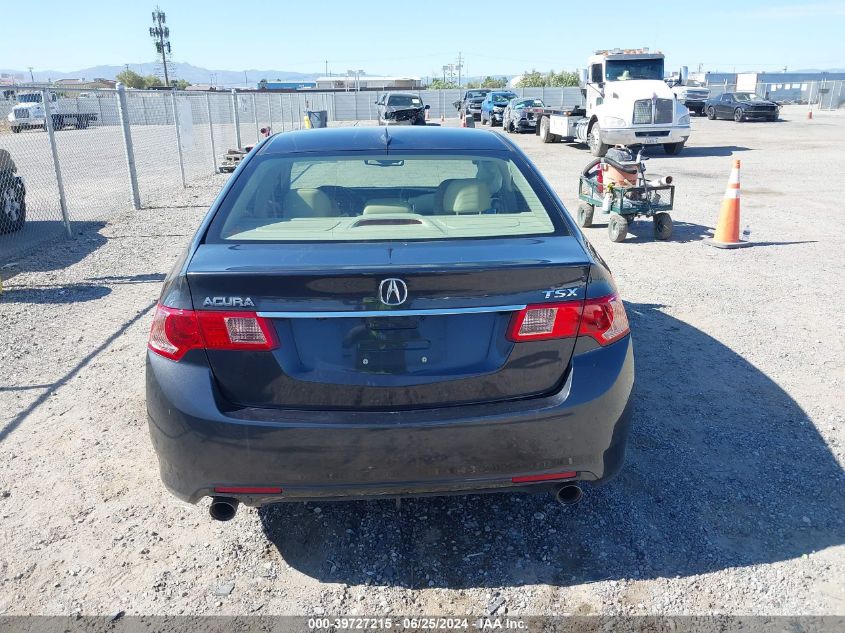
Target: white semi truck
(28, 112)
(627, 103)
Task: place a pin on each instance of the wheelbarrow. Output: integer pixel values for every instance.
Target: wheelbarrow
(619, 189)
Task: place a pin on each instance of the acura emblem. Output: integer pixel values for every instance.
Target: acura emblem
(392, 292)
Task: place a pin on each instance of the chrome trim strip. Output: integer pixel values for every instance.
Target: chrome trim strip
(388, 313)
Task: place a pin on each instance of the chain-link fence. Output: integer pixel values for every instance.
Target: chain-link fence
(71, 155)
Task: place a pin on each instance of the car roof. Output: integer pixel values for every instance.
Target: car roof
(401, 94)
(340, 139)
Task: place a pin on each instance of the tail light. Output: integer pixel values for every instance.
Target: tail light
(603, 319)
(174, 332)
(543, 321)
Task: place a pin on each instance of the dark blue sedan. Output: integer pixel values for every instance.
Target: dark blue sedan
(374, 312)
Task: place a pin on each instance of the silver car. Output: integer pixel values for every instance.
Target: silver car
(401, 108)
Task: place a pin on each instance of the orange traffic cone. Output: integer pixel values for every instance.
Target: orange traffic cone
(443, 118)
(727, 230)
(809, 114)
(427, 115)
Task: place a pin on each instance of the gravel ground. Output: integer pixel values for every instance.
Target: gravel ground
(732, 500)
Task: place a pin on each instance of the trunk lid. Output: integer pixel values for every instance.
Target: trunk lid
(341, 347)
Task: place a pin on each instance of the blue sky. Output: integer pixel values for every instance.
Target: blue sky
(246, 34)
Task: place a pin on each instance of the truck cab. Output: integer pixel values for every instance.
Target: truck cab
(629, 103)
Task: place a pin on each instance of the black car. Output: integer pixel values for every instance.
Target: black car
(518, 117)
(398, 108)
(387, 312)
(740, 106)
(470, 102)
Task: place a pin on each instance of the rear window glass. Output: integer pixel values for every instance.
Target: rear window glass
(362, 197)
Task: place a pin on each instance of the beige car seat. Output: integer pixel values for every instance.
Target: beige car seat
(466, 195)
(308, 203)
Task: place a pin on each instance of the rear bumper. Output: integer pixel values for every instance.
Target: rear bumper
(201, 442)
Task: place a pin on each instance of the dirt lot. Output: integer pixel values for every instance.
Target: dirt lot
(732, 500)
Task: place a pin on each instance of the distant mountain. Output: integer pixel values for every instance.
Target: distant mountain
(177, 70)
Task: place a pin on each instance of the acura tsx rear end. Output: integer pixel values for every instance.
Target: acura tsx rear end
(371, 313)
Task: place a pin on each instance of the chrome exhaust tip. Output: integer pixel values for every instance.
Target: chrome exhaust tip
(223, 508)
(568, 494)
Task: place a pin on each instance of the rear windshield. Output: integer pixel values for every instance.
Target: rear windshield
(362, 197)
(502, 97)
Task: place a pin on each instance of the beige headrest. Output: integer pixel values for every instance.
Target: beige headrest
(491, 174)
(308, 203)
(466, 195)
(382, 206)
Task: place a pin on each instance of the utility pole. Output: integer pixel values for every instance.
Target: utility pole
(31, 76)
(161, 36)
(459, 66)
(327, 68)
(246, 80)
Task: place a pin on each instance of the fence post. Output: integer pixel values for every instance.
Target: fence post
(123, 114)
(51, 135)
(255, 119)
(211, 133)
(178, 138)
(270, 112)
(236, 117)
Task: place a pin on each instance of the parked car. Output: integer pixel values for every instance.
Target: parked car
(493, 106)
(740, 106)
(377, 312)
(12, 195)
(694, 95)
(470, 102)
(517, 116)
(397, 108)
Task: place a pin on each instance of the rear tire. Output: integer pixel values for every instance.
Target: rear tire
(597, 148)
(738, 116)
(662, 226)
(673, 148)
(585, 215)
(545, 131)
(711, 113)
(617, 228)
(12, 208)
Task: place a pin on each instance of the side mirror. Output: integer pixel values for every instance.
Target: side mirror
(427, 107)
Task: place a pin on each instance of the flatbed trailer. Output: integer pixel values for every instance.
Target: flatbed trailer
(561, 124)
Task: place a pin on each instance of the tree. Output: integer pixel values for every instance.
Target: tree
(536, 79)
(489, 82)
(439, 84)
(131, 79)
(151, 81)
(533, 79)
(180, 84)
